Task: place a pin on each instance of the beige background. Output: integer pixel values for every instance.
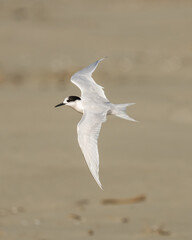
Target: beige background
(46, 190)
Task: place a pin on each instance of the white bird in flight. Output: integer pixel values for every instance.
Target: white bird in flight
(95, 107)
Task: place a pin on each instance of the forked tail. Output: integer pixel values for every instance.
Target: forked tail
(120, 111)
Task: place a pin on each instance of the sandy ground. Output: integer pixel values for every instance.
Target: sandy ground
(46, 190)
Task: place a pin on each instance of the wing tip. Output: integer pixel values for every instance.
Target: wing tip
(87, 70)
(97, 180)
(99, 184)
(101, 59)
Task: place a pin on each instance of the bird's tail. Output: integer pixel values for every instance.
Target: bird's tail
(120, 111)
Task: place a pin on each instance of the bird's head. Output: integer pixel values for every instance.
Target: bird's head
(72, 101)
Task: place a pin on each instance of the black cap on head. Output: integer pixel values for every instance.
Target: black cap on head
(73, 98)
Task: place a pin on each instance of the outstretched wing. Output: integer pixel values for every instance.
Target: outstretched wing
(83, 80)
(88, 132)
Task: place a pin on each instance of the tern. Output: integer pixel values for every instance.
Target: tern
(95, 107)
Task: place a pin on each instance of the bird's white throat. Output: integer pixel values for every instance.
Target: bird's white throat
(77, 105)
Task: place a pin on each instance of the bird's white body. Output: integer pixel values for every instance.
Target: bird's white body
(78, 106)
(94, 106)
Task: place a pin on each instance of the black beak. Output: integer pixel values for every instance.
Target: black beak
(60, 104)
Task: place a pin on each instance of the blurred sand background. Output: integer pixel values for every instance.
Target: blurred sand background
(46, 190)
